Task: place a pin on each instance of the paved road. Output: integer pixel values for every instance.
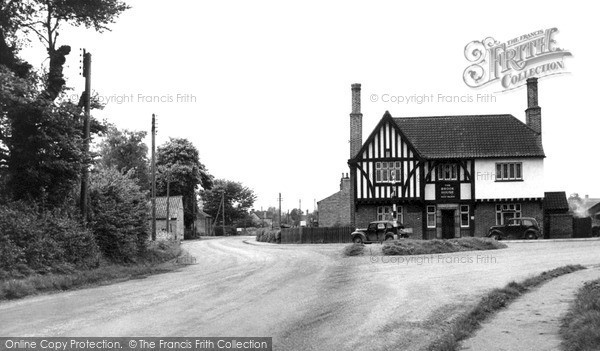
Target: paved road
(308, 297)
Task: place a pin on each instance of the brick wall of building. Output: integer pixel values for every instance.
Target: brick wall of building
(560, 225)
(334, 211)
(485, 215)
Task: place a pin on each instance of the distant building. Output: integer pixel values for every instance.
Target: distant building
(203, 223)
(334, 210)
(262, 218)
(176, 226)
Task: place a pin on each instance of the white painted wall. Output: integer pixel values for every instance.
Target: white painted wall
(486, 187)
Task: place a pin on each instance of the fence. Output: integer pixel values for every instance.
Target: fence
(306, 235)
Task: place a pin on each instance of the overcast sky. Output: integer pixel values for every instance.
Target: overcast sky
(271, 81)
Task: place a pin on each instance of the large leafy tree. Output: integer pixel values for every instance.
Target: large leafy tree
(126, 151)
(238, 200)
(40, 135)
(178, 162)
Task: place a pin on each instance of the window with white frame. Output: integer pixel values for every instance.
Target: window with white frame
(430, 216)
(509, 171)
(387, 213)
(464, 216)
(447, 171)
(387, 172)
(504, 212)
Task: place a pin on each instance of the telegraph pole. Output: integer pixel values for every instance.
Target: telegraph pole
(223, 204)
(87, 73)
(279, 209)
(168, 201)
(153, 162)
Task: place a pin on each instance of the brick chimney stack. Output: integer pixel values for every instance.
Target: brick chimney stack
(533, 113)
(355, 122)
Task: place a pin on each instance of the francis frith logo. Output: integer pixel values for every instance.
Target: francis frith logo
(510, 63)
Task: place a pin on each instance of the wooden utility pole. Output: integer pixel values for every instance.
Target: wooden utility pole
(168, 201)
(87, 73)
(153, 171)
(223, 204)
(280, 209)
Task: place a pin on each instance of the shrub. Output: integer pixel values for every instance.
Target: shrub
(268, 235)
(37, 241)
(119, 214)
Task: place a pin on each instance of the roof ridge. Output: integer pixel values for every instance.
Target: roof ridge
(446, 116)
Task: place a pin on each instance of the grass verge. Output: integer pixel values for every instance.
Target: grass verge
(467, 323)
(354, 250)
(580, 327)
(159, 257)
(405, 247)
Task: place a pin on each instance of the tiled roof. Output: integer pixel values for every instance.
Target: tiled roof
(556, 200)
(175, 203)
(471, 136)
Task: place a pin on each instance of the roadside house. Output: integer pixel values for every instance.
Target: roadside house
(447, 176)
(176, 226)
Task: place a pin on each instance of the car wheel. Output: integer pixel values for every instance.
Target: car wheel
(357, 240)
(389, 238)
(495, 236)
(531, 235)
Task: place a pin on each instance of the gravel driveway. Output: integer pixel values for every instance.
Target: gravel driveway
(308, 297)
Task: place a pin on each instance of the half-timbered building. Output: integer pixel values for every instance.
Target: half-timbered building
(447, 176)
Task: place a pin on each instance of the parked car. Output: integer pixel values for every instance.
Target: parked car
(379, 231)
(516, 228)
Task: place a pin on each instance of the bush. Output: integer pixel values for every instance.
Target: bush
(268, 235)
(36, 241)
(119, 215)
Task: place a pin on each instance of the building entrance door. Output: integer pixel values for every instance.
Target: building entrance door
(448, 224)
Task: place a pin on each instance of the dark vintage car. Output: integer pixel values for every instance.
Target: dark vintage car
(379, 231)
(516, 228)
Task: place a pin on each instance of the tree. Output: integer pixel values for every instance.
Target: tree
(179, 160)
(126, 151)
(119, 214)
(40, 138)
(296, 216)
(44, 18)
(238, 200)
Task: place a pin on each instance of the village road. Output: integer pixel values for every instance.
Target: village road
(307, 297)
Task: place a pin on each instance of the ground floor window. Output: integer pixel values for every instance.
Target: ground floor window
(464, 216)
(504, 212)
(390, 213)
(430, 216)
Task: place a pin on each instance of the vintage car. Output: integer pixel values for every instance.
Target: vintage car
(516, 228)
(379, 231)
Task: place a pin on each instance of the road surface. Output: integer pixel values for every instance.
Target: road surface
(307, 297)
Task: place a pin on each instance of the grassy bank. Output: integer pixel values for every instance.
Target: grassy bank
(580, 327)
(425, 247)
(159, 257)
(465, 325)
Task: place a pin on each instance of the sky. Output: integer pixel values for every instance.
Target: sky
(262, 88)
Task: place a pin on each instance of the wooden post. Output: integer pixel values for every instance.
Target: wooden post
(87, 73)
(153, 163)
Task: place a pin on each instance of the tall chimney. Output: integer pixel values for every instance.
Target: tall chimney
(355, 122)
(533, 113)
